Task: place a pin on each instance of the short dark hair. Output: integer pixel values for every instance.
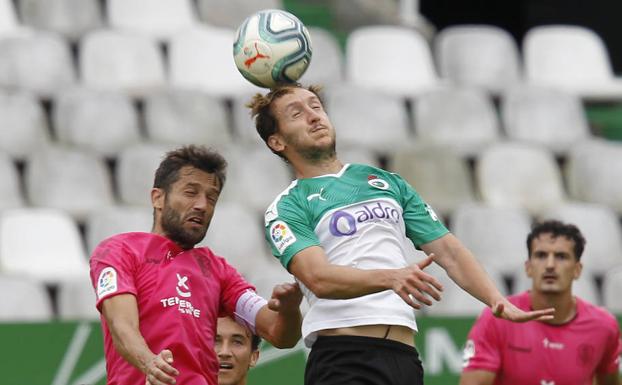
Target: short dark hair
(261, 109)
(558, 229)
(200, 157)
(255, 341)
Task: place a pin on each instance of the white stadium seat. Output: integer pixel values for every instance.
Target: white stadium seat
(23, 300)
(481, 56)
(10, 195)
(389, 58)
(8, 18)
(231, 13)
(135, 172)
(41, 243)
(158, 19)
(548, 117)
(515, 174)
(612, 287)
(70, 18)
(76, 300)
(116, 220)
(24, 126)
(103, 122)
(571, 58)
(118, 60)
(462, 119)
(327, 63)
(184, 117)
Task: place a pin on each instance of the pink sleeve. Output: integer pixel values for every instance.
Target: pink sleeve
(233, 285)
(611, 358)
(482, 350)
(112, 270)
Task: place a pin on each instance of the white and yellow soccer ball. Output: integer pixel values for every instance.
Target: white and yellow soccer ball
(272, 47)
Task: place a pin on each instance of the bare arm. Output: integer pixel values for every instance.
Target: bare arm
(465, 270)
(121, 314)
(607, 379)
(327, 280)
(477, 377)
(279, 321)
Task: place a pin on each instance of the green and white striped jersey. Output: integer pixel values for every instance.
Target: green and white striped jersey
(363, 217)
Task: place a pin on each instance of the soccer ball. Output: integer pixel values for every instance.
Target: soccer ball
(272, 47)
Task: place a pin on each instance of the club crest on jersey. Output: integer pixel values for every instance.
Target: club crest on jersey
(378, 183)
(107, 282)
(345, 222)
(281, 235)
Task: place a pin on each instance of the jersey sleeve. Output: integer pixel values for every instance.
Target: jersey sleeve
(422, 223)
(112, 270)
(233, 285)
(288, 230)
(482, 350)
(610, 362)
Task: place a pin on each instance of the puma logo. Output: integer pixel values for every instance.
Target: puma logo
(249, 62)
(317, 195)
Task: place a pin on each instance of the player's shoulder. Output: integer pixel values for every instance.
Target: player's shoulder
(598, 314)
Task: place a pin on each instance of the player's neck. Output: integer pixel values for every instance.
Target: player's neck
(306, 169)
(564, 303)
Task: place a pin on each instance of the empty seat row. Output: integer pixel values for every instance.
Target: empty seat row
(74, 18)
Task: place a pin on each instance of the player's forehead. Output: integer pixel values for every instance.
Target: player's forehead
(192, 176)
(294, 97)
(549, 242)
(229, 328)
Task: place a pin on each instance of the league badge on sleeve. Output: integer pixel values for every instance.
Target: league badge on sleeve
(281, 236)
(107, 282)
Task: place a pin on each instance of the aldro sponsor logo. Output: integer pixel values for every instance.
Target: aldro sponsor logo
(346, 222)
(183, 305)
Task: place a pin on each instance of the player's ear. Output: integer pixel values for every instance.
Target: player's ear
(578, 268)
(275, 142)
(157, 198)
(254, 358)
(528, 268)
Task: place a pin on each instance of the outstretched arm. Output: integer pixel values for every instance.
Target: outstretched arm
(121, 314)
(465, 270)
(279, 321)
(327, 280)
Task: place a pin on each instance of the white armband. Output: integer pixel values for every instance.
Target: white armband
(247, 307)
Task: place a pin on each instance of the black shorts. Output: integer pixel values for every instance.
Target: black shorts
(350, 360)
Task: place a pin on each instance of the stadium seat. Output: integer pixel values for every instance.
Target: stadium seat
(243, 124)
(121, 61)
(23, 300)
(612, 287)
(116, 220)
(519, 175)
(10, 195)
(24, 126)
(76, 300)
(201, 59)
(327, 63)
(601, 228)
(548, 117)
(8, 18)
(496, 236)
(357, 155)
(463, 119)
(158, 19)
(102, 122)
(584, 287)
(440, 176)
(39, 62)
(68, 179)
(368, 119)
(255, 177)
(136, 168)
(70, 18)
(482, 56)
(236, 234)
(231, 13)
(392, 59)
(41, 243)
(183, 117)
(571, 58)
(594, 173)
(454, 300)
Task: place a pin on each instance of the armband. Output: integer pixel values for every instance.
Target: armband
(247, 307)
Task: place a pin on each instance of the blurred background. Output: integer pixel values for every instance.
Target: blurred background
(498, 113)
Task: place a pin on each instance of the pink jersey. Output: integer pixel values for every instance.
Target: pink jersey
(542, 354)
(180, 295)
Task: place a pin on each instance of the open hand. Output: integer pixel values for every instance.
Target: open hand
(412, 281)
(506, 310)
(160, 370)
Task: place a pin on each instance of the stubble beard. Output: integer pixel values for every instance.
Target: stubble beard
(173, 226)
